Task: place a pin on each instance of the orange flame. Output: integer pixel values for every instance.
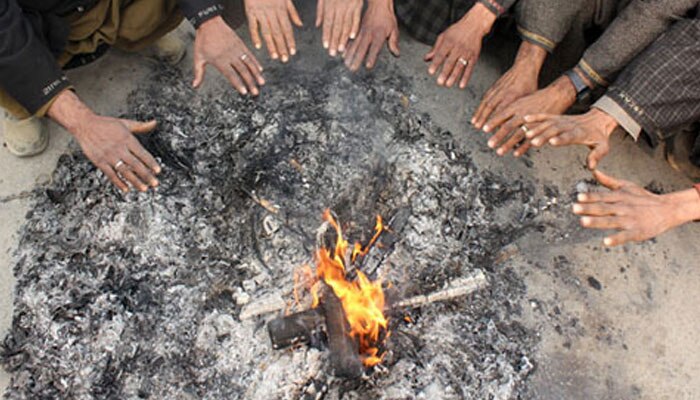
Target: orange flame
(362, 299)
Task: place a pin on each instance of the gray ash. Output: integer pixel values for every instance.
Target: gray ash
(138, 296)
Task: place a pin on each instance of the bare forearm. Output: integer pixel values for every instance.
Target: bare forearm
(530, 59)
(484, 17)
(70, 112)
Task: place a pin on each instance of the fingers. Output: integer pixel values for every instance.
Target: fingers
(619, 238)
(535, 118)
(467, 75)
(266, 29)
(546, 135)
(199, 68)
(608, 181)
(254, 67)
(279, 38)
(375, 48)
(345, 32)
(288, 34)
(328, 22)
(248, 78)
(516, 137)
(522, 149)
(357, 52)
(437, 59)
(356, 19)
(113, 177)
(336, 31)
(254, 27)
(138, 126)
(125, 172)
(503, 131)
(597, 154)
(436, 46)
(394, 43)
(499, 118)
(595, 209)
(233, 78)
(447, 68)
(486, 107)
(600, 197)
(141, 176)
(144, 156)
(293, 14)
(610, 222)
(457, 72)
(319, 13)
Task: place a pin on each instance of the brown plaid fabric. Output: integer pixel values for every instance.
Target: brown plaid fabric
(660, 89)
(424, 20)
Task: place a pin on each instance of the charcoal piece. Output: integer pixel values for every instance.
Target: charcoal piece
(344, 351)
(306, 327)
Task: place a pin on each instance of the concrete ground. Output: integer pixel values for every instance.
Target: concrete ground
(633, 336)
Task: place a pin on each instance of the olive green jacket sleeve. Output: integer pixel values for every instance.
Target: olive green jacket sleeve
(636, 27)
(546, 22)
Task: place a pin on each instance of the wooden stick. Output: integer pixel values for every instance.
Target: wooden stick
(458, 288)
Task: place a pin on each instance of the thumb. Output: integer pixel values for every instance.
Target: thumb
(394, 43)
(138, 126)
(199, 67)
(608, 181)
(597, 154)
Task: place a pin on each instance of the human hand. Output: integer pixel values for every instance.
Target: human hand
(378, 26)
(457, 49)
(592, 129)
(633, 211)
(108, 142)
(341, 22)
(217, 44)
(509, 124)
(519, 81)
(274, 19)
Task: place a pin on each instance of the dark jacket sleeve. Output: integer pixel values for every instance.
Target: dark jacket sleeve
(199, 11)
(545, 23)
(28, 71)
(637, 26)
(498, 7)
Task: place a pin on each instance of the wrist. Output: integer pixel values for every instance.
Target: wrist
(564, 90)
(685, 206)
(70, 112)
(530, 57)
(386, 4)
(210, 23)
(605, 121)
(480, 15)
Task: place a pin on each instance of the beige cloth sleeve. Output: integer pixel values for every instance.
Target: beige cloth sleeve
(610, 107)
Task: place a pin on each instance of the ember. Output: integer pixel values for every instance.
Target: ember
(362, 298)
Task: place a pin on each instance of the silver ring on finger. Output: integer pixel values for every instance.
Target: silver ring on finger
(463, 61)
(244, 56)
(118, 164)
(524, 129)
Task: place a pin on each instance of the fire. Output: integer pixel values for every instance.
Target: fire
(362, 298)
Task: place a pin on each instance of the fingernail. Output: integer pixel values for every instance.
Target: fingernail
(157, 170)
(553, 141)
(537, 142)
(325, 45)
(275, 56)
(577, 208)
(352, 35)
(581, 197)
(332, 52)
(244, 91)
(154, 183)
(473, 121)
(293, 51)
(258, 46)
(440, 81)
(285, 58)
(341, 48)
(607, 242)
(491, 144)
(500, 152)
(527, 118)
(487, 128)
(585, 221)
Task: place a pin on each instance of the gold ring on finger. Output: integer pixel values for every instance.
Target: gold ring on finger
(463, 61)
(118, 164)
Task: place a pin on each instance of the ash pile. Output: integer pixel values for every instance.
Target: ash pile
(140, 296)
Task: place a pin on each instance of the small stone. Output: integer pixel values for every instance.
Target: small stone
(594, 283)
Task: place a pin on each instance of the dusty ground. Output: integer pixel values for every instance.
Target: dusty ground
(615, 324)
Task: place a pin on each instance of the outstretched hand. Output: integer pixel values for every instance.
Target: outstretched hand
(633, 211)
(378, 26)
(592, 129)
(340, 20)
(217, 44)
(457, 50)
(274, 19)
